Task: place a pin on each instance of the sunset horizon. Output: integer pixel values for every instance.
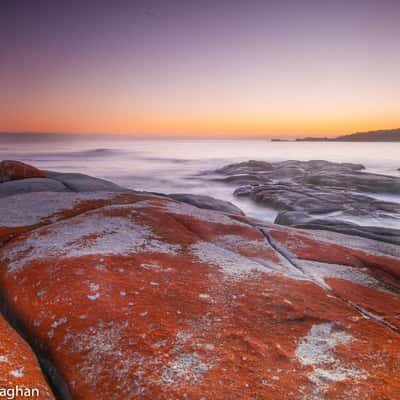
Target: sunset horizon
(201, 135)
(189, 69)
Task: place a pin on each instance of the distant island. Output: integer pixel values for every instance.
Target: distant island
(391, 135)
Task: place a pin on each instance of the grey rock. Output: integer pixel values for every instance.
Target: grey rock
(31, 185)
(364, 182)
(245, 167)
(59, 182)
(84, 183)
(207, 202)
(319, 195)
(301, 220)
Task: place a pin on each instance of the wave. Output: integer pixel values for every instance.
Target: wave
(166, 159)
(97, 152)
(66, 156)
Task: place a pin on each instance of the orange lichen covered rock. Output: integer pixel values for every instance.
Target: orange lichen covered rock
(14, 170)
(362, 272)
(149, 298)
(20, 374)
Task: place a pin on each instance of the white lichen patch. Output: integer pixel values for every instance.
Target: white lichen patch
(263, 248)
(101, 349)
(230, 263)
(26, 209)
(238, 241)
(186, 369)
(88, 234)
(235, 265)
(59, 322)
(18, 373)
(94, 287)
(109, 351)
(152, 267)
(316, 350)
(321, 271)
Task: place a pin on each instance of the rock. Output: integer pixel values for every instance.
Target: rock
(245, 167)
(207, 202)
(323, 254)
(20, 373)
(84, 183)
(27, 211)
(14, 170)
(136, 296)
(301, 220)
(31, 185)
(320, 195)
(252, 166)
(365, 182)
(21, 178)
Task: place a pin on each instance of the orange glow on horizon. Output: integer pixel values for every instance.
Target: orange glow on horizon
(197, 125)
(269, 68)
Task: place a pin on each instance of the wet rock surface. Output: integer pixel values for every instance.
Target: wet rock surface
(139, 296)
(17, 178)
(207, 202)
(84, 183)
(320, 195)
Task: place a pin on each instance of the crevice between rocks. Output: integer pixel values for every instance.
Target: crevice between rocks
(369, 315)
(281, 250)
(284, 253)
(235, 253)
(54, 379)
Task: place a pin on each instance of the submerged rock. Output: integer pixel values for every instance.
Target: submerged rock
(138, 296)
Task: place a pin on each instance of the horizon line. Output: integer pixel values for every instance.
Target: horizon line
(261, 136)
(176, 135)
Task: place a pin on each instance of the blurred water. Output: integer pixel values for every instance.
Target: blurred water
(171, 165)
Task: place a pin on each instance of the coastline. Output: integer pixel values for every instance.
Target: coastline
(136, 294)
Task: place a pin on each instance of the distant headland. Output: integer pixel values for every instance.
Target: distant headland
(390, 135)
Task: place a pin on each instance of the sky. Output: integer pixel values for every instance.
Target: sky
(214, 68)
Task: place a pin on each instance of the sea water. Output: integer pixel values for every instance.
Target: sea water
(174, 165)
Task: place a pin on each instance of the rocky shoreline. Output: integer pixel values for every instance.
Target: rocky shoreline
(132, 295)
(320, 195)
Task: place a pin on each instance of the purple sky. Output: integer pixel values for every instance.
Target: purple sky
(192, 67)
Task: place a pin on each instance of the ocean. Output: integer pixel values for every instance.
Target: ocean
(173, 165)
